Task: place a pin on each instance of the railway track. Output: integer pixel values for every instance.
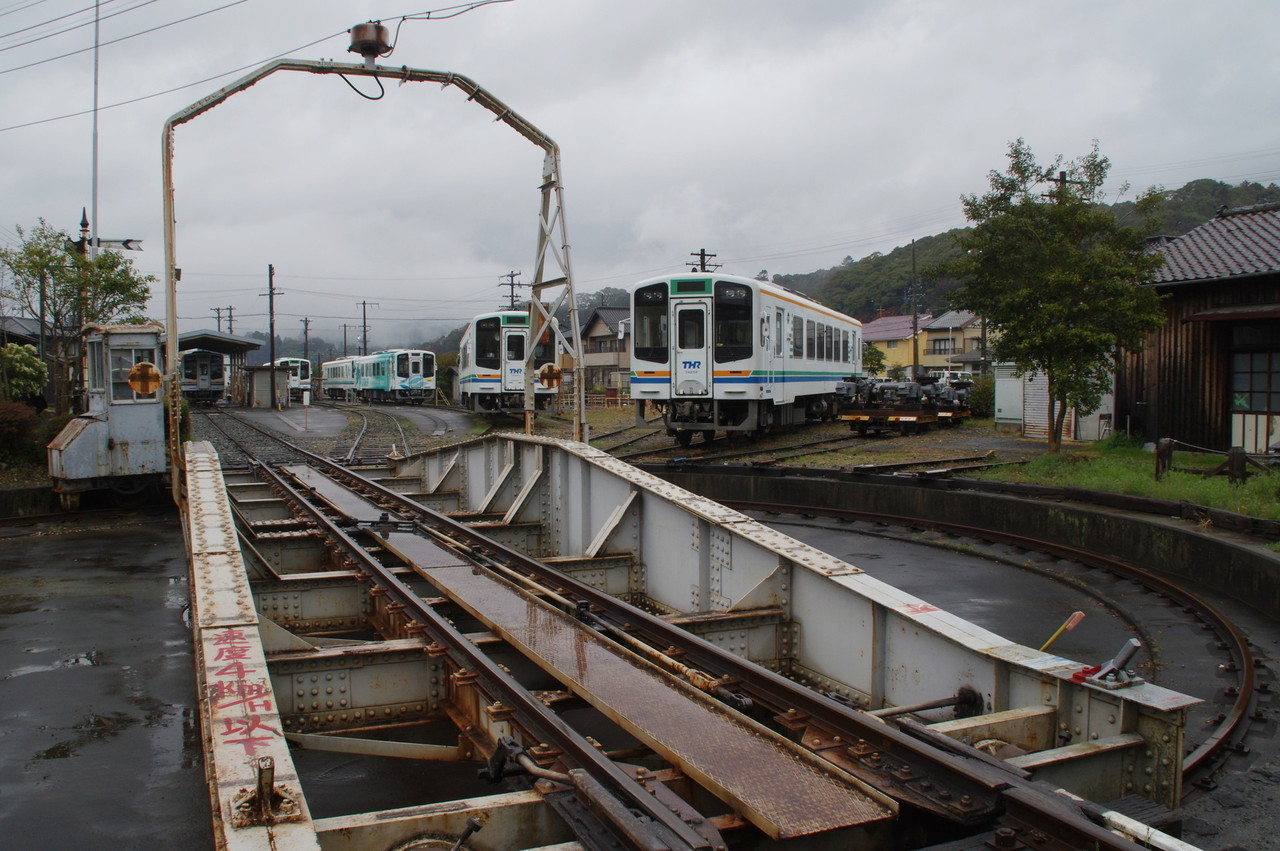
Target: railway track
(1173, 623)
(391, 544)
(799, 445)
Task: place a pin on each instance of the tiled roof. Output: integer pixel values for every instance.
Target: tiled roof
(1244, 241)
(893, 327)
(20, 326)
(952, 319)
(610, 316)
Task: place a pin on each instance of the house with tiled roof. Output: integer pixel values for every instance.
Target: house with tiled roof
(898, 337)
(1210, 377)
(954, 342)
(606, 365)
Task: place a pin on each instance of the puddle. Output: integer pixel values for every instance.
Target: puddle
(93, 729)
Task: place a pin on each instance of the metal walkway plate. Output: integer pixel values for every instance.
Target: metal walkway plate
(777, 785)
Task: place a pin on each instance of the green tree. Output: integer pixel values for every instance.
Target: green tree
(67, 290)
(872, 358)
(1056, 276)
(22, 373)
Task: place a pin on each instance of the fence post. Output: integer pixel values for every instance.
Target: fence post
(1237, 460)
(1164, 456)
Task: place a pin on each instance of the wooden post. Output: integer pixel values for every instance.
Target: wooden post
(1164, 456)
(1237, 461)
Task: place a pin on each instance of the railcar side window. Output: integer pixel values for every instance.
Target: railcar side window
(797, 337)
(733, 322)
(650, 327)
(810, 339)
(489, 342)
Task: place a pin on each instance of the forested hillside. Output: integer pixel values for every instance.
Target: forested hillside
(880, 283)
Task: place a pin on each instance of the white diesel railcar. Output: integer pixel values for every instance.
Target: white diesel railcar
(491, 363)
(720, 352)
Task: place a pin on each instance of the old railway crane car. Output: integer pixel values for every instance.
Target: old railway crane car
(725, 352)
(204, 376)
(491, 362)
(118, 443)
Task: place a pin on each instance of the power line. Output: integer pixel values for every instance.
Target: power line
(209, 79)
(72, 28)
(122, 38)
(18, 7)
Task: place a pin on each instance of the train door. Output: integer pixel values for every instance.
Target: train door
(771, 346)
(202, 377)
(513, 361)
(691, 371)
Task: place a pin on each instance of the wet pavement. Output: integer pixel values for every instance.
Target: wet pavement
(99, 739)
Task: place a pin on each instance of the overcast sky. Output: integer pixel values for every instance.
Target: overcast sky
(782, 136)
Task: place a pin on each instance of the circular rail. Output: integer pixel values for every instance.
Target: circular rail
(1201, 761)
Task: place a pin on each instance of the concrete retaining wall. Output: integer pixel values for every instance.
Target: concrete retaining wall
(1234, 565)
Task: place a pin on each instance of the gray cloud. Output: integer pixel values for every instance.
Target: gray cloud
(780, 136)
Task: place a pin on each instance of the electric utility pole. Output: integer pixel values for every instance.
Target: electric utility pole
(231, 319)
(364, 327)
(306, 342)
(217, 311)
(915, 317)
(1063, 183)
(511, 282)
(701, 264)
(271, 327)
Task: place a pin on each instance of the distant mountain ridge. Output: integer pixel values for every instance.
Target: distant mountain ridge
(879, 284)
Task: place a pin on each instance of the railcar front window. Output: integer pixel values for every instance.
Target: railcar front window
(733, 322)
(690, 329)
(402, 366)
(650, 331)
(489, 343)
(515, 347)
(544, 352)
